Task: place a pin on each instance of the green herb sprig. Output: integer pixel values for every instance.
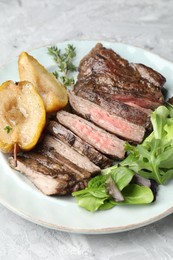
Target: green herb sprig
(65, 63)
(8, 129)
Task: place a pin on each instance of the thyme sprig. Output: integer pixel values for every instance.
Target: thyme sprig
(65, 63)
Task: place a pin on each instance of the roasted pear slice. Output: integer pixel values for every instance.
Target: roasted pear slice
(53, 93)
(22, 116)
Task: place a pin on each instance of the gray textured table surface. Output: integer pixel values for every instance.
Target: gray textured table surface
(25, 25)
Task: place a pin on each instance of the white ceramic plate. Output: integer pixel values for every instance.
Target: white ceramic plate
(62, 213)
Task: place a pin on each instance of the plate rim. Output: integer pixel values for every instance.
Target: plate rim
(96, 231)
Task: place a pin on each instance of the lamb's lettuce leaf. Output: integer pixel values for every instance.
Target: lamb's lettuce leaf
(136, 194)
(96, 196)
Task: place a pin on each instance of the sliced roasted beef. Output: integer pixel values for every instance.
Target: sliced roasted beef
(107, 120)
(103, 141)
(48, 155)
(90, 87)
(55, 168)
(70, 154)
(115, 107)
(133, 96)
(135, 83)
(67, 165)
(68, 137)
(43, 178)
(103, 60)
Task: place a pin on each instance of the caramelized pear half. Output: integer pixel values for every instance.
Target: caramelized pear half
(53, 93)
(22, 116)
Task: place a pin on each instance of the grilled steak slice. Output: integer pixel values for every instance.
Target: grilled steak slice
(42, 178)
(113, 94)
(108, 121)
(70, 154)
(134, 113)
(103, 60)
(133, 96)
(68, 166)
(103, 141)
(127, 81)
(68, 137)
(55, 168)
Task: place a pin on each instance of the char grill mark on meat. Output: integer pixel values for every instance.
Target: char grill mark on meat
(108, 121)
(42, 178)
(68, 137)
(126, 81)
(64, 150)
(103, 141)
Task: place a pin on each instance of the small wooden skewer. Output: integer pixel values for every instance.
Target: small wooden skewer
(15, 155)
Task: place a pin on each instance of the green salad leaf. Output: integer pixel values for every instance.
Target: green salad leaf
(136, 194)
(96, 196)
(154, 157)
(121, 176)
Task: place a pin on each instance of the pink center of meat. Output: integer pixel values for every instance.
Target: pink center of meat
(100, 140)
